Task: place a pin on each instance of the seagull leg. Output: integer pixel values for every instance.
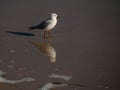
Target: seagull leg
(50, 35)
(44, 34)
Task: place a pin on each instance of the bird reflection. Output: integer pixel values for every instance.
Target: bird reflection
(47, 49)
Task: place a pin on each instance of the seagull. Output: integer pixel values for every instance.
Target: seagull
(47, 25)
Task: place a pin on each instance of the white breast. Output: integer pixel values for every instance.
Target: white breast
(52, 24)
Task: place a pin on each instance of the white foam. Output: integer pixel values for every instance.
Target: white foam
(65, 77)
(27, 79)
(50, 86)
(106, 87)
(12, 51)
(2, 73)
(0, 61)
(11, 66)
(26, 50)
(12, 61)
(100, 86)
(4, 80)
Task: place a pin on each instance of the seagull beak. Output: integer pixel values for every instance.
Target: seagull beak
(58, 17)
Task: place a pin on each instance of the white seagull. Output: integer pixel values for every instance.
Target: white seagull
(47, 25)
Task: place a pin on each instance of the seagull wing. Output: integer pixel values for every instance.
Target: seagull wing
(43, 24)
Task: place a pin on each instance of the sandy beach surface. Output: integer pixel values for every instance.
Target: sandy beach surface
(85, 49)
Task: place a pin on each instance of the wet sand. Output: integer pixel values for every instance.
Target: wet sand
(86, 43)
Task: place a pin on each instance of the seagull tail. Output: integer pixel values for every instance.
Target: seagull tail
(31, 28)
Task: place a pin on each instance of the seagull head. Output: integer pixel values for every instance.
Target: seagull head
(55, 15)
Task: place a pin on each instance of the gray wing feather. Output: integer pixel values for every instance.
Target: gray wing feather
(42, 25)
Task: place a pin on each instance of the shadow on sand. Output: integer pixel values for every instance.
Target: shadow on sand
(21, 33)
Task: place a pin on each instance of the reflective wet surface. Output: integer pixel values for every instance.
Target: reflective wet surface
(47, 49)
(85, 48)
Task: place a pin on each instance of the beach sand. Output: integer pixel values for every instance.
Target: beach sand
(86, 43)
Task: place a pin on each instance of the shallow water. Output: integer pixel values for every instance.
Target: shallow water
(85, 44)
